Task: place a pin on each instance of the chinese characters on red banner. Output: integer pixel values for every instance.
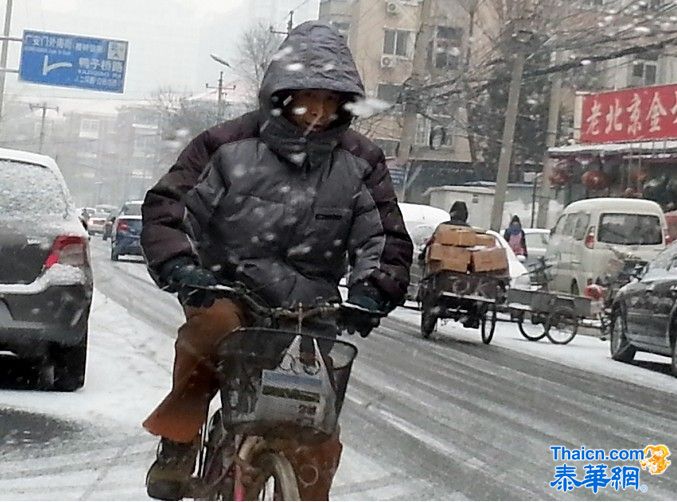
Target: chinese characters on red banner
(640, 114)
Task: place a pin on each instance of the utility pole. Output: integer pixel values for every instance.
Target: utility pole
(521, 37)
(550, 140)
(290, 25)
(3, 55)
(221, 94)
(410, 115)
(44, 108)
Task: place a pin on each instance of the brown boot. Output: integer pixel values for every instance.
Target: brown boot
(169, 476)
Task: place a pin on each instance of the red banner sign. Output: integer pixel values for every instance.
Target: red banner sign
(640, 114)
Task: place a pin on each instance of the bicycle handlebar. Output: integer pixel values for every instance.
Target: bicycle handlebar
(241, 293)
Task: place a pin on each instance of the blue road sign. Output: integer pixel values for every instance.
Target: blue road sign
(73, 61)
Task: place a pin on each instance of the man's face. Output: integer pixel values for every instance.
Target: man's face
(314, 110)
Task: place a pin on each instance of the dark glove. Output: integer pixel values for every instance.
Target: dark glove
(182, 276)
(370, 299)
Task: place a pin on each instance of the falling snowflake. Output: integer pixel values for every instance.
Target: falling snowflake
(295, 67)
(367, 107)
(281, 54)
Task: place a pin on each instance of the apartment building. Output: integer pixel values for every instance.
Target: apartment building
(381, 35)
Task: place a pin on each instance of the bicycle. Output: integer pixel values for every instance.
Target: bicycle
(275, 385)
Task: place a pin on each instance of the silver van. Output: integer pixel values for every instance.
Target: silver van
(583, 242)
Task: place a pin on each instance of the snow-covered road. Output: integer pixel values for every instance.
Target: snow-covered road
(447, 418)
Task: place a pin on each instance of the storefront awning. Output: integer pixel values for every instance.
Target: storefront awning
(656, 149)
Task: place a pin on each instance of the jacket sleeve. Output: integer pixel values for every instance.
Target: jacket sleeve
(164, 235)
(380, 238)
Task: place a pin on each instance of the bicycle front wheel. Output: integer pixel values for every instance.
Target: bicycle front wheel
(561, 326)
(276, 480)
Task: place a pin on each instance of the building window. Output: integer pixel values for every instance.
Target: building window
(643, 73)
(434, 133)
(389, 92)
(144, 145)
(396, 43)
(423, 129)
(89, 128)
(446, 50)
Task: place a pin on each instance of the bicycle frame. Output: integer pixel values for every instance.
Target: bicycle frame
(231, 462)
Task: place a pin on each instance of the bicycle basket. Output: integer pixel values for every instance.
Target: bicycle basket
(283, 384)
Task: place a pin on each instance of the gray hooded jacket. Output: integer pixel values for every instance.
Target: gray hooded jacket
(280, 210)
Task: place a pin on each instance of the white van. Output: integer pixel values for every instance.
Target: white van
(582, 242)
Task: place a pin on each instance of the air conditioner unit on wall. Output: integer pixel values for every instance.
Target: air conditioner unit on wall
(392, 8)
(387, 61)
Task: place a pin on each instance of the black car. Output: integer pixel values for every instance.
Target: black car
(644, 312)
(45, 271)
(126, 237)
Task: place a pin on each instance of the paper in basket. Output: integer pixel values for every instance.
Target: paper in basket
(298, 390)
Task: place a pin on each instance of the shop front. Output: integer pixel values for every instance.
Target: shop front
(627, 147)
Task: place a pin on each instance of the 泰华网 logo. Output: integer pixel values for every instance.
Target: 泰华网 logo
(598, 469)
(656, 459)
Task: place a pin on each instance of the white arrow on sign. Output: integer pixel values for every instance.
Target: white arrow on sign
(46, 67)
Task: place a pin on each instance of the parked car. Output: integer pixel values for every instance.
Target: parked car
(132, 208)
(537, 243)
(45, 271)
(644, 312)
(583, 241)
(126, 237)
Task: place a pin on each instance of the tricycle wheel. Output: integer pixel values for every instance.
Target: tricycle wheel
(530, 330)
(488, 324)
(428, 323)
(561, 326)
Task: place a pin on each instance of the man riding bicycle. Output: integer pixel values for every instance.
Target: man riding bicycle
(274, 199)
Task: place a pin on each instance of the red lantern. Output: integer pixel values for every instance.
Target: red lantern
(560, 177)
(596, 180)
(638, 176)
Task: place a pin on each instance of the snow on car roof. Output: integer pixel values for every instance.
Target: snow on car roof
(28, 157)
(45, 161)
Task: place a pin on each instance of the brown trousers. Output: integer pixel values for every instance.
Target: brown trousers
(180, 416)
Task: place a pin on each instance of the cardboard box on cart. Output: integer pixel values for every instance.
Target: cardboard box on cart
(451, 235)
(489, 259)
(441, 257)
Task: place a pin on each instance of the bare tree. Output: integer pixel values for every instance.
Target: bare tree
(182, 117)
(256, 49)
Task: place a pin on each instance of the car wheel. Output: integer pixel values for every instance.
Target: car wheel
(69, 366)
(621, 349)
(114, 254)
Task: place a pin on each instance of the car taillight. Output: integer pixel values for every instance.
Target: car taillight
(68, 250)
(590, 238)
(123, 227)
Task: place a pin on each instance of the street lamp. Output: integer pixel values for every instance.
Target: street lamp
(220, 60)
